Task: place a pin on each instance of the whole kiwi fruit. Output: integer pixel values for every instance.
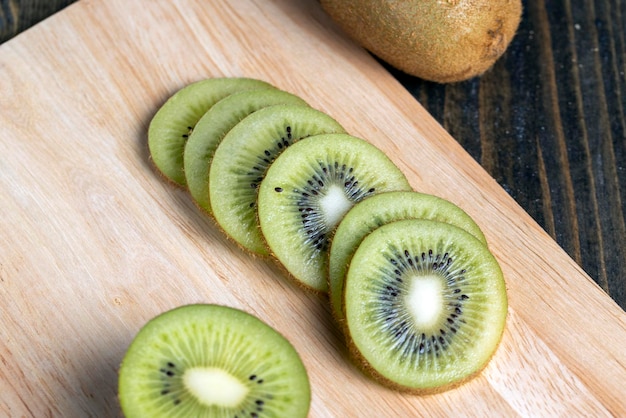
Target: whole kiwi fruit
(437, 40)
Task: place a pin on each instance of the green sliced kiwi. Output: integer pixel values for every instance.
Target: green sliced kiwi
(242, 158)
(174, 121)
(212, 361)
(376, 211)
(307, 191)
(425, 305)
(214, 125)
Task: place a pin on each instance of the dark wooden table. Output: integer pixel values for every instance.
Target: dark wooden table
(548, 122)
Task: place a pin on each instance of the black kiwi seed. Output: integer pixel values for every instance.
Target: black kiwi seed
(170, 377)
(313, 223)
(269, 155)
(189, 131)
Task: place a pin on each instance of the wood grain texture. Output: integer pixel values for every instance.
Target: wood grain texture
(94, 243)
(548, 122)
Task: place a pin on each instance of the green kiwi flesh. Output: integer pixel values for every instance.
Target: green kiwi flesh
(244, 155)
(420, 298)
(425, 305)
(174, 121)
(376, 211)
(306, 192)
(212, 361)
(214, 125)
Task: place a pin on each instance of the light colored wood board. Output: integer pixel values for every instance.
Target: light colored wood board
(93, 243)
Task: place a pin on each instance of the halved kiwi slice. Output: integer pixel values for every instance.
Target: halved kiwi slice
(244, 155)
(174, 121)
(307, 191)
(214, 125)
(212, 361)
(379, 210)
(425, 305)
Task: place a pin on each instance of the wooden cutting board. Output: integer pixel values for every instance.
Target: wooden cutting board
(93, 243)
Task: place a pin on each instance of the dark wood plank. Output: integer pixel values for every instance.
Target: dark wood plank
(18, 15)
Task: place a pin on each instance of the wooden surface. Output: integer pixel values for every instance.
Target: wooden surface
(548, 122)
(93, 243)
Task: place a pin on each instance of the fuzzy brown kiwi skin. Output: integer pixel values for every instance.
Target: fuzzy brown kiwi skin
(293, 280)
(290, 278)
(424, 38)
(269, 257)
(369, 371)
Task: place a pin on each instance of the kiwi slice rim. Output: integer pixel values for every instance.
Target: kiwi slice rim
(241, 161)
(421, 351)
(379, 210)
(331, 173)
(213, 127)
(247, 364)
(175, 120)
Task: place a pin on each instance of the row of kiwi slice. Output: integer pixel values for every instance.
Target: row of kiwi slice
(411, 281)
(174, 122)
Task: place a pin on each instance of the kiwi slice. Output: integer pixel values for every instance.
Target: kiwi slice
(307, 191)
(425, 305)
(212, 361)
(241, 161)
(376, 211)
(174, 121)
(214, 125)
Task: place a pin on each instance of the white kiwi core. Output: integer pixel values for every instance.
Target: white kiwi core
(334, 205)
(424, 300)
(214, 386)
